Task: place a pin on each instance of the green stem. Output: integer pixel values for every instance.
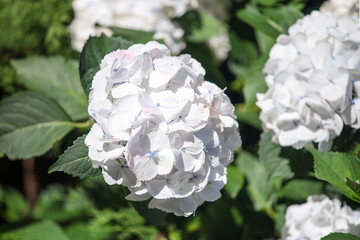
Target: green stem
(271, 213)
(82, 124)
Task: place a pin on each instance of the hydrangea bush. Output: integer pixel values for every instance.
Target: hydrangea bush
(161, 130)
(148, 117)
(313, 78)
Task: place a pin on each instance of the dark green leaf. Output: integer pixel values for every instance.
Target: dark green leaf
(93, 52)
(43, 230)
(75, 161)
(153, 216)
(56, 78)
(15, 207)
(30, 124)
(235, 181)
(340, 236)
(336, 168)
(354, 186)
(299, 189)
(132, 35)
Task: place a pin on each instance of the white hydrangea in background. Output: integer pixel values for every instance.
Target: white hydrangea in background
(313, 75)
(220, 43)
(94, 17)
(318, 217)
(161, 130)
(341, 7)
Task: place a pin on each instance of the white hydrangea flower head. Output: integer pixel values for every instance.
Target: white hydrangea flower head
(318, 217)
(93, 17)
(341, 7)
(160, 129)
(313, 75)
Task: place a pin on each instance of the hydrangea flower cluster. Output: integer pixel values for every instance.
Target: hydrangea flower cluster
(93, 17)
(161, 130)
(318, 217)
(313, 75)
(341, 7)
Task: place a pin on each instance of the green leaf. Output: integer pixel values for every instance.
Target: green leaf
(210, 26)
(75, 161)
(280, 217)
(93, 52)
(258, 21)
(284, 16)
(30, 124)
(269, 156)
(267, 2)
(43, 230)
(248, 115)
(354, 186)
(259, 188)
(267, 148)
(132, 35)
(254, 81)
(15, 205)
(84, 231)
(278, 167)
(235, 181)
(300, 189)
(335, 168)
(56, 78)
(265, 42)
(340, 236)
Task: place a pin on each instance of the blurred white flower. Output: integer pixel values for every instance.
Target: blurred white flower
(318, 217)
(161, 130)
(220, 44)
(93, 17)
(313, 77)
(341, 7)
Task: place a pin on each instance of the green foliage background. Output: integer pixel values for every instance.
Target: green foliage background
(262, 181)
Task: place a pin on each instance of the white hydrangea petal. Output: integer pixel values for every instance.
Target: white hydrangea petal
(160, 188)
(165, 161)
(211, 192)
(145, 168)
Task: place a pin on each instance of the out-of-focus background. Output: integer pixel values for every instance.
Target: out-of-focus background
(35, 205)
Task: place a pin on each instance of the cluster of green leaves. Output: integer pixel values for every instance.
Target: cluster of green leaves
(28, 27)
(32, 121)
(63, 213)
